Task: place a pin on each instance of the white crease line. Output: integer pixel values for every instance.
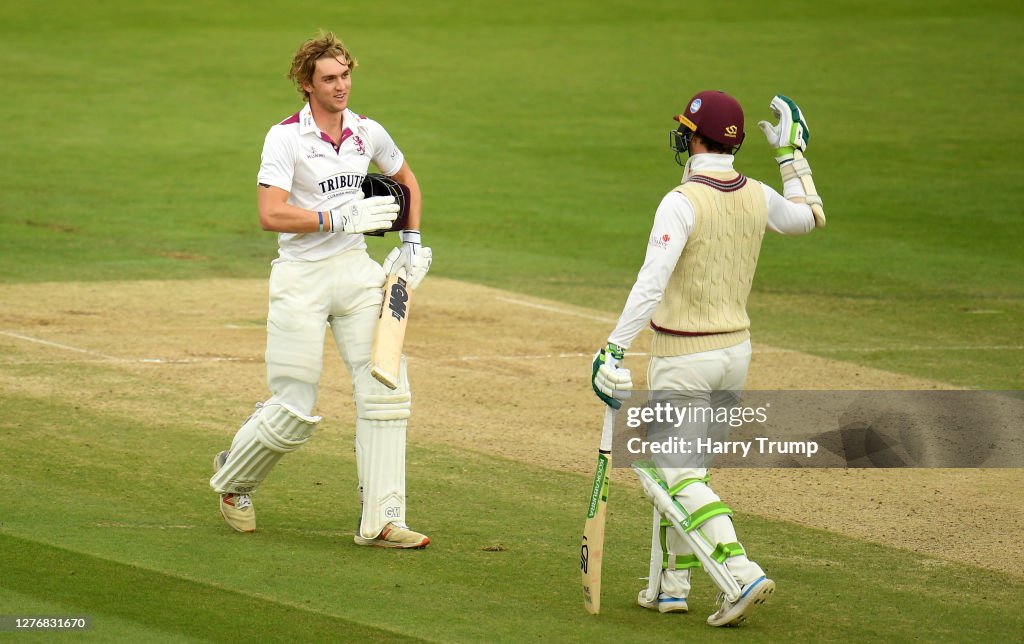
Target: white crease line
(515, 356)
(106, 358)
(193, 360)
(912, 348)
(552, 309)
(55, 345)
(503, 357)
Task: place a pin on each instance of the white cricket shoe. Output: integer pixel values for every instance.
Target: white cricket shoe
(754, 594)
(236, 509)
(664, 603)
(395, 535)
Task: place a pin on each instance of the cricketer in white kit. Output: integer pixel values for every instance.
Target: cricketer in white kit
(692, 289)
(309, 191)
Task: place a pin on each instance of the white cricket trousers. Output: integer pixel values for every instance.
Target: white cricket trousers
(344, 291)
(695, 378)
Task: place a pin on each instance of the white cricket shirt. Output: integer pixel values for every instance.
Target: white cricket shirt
(301, 159)
(673, 222)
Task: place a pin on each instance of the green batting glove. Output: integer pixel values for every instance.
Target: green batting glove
(790, 133)
(612, 383)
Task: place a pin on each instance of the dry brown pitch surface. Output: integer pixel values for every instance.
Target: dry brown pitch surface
(492, 371)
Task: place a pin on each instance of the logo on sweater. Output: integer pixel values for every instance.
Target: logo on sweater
(360, 146)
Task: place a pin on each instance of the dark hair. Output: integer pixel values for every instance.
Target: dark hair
(714, 146)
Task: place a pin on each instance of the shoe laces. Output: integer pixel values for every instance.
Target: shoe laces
(242, 501)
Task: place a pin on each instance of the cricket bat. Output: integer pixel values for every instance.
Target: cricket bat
(389, 337)
(592, 549)
(816, 210)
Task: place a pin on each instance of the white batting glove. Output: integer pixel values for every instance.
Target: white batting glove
(612, 383)
(364, 215)
(791, 132)
(412, 257)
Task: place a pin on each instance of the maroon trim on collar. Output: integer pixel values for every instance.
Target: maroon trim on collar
(337, 146)
(687, 334)
(294, 118)
(724, 186)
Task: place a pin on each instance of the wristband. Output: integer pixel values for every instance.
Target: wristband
(410, 236)
(616, 351)
(784, 155)
(320, 215)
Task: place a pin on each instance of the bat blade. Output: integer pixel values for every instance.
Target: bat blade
(389, 337)
(592, 546)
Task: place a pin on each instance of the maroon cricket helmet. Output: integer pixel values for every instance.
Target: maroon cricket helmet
(715, 115)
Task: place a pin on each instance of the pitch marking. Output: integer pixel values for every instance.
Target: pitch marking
(553, 309)
(56, 345)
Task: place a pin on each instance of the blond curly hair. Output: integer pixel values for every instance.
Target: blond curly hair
(304, 62)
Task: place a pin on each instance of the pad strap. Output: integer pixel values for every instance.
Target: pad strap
(681, 562)
(682, 485)
(725, 550)
(393, 406)
(702, 514)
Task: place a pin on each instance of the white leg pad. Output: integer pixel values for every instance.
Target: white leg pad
(669, 508)
(675, 583)
(382, 419)
(716, 530)
(380, 456)
(274, 430)
(657, 558)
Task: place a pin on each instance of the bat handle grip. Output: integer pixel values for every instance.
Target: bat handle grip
(607, 432)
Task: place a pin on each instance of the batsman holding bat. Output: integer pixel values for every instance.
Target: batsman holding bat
(311, 192)
(692, 289)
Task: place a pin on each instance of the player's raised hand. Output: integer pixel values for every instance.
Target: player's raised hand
(364, 215)
(791, 131)
(412, 256)
(612, 383)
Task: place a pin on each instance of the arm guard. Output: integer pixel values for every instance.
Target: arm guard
(794, 165)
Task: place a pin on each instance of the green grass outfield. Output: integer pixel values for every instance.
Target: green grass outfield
(131, 138)
(135, 542)
(129, 144)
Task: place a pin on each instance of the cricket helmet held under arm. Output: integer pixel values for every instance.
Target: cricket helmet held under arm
(381, 185)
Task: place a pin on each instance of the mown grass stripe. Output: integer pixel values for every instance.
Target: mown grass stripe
(164, 603)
